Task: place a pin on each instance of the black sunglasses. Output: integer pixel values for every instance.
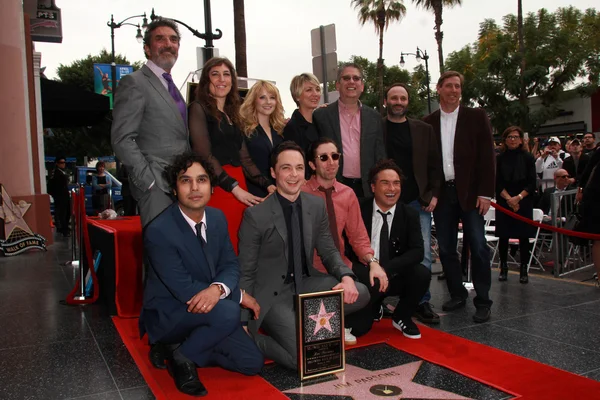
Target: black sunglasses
(325, 157)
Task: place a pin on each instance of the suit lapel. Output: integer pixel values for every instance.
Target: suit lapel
(212, 233)
(190, 240)
(334, 116)
(367, 215)
(279, 222)
(461, 121)
(307, 226)
(164, 93)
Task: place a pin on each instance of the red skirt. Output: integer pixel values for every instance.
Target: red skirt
(226, 202)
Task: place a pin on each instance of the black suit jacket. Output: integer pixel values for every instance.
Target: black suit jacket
(427, 159)
(327, 121)
(474, 156)
(545, 202)
(576, 172)
(406, 241)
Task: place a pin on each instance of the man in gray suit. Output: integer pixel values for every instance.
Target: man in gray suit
(277, 242)
(149, 120)
(356, 129)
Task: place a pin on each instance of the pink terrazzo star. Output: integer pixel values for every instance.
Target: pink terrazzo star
(362, 384)
(322, 319)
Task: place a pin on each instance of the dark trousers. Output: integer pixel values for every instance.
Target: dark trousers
(410, 284)
(447, 214)
(62, 215)
(217, 339)
(523, 250)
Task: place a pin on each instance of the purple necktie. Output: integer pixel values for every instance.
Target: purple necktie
(174, 92)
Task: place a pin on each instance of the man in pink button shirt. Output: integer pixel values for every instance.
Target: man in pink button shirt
(356, 130)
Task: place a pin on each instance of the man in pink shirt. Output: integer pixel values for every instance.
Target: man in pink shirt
(343, 211)
(356, 130)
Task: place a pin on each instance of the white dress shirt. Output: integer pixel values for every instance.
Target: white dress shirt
(448, 133)
(192, 224)
(377, 223)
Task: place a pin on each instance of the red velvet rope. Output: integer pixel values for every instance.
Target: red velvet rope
(81, 218)
(567, 232)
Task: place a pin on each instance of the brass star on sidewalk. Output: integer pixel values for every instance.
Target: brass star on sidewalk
(12, 214)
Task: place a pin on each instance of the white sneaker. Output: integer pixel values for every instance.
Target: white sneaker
(349, 338)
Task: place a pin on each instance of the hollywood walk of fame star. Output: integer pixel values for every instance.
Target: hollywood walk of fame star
(12, 214)
(360, 383)
(322, 319)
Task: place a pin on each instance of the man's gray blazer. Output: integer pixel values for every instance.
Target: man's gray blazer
(263, 249)
(147, 133)
(372, 149)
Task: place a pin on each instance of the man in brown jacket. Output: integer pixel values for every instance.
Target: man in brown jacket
(413, 146)
(465, 141)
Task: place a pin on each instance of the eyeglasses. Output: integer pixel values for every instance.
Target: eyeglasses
(563, 176)
(355, 78)
(325, 157)
(513, 137)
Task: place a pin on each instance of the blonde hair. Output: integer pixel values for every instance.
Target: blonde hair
(248, 110)
(297, 85)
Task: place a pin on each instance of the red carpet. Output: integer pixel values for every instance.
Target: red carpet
(524, 378)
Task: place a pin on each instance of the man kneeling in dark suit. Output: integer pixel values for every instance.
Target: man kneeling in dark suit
(395, 232)
(192, 298)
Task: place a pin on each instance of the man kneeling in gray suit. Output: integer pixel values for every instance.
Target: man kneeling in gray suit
(277, 241)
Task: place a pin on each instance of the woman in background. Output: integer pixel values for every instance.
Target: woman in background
(262, 123)
(214, 120)
(515, 186)
(306, 92)
(101, 184)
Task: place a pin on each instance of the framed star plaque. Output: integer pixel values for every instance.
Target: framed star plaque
(320, 319)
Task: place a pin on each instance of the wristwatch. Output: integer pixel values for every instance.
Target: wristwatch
(221, 288)
(372, 259)
(520, 196)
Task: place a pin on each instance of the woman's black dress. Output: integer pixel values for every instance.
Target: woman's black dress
(303, 133)
(260, 148)
(515, 171)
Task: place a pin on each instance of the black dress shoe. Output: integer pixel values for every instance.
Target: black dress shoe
(454, 304)
(425, 314)
(482, 314)
(186, 377)
(157, 356)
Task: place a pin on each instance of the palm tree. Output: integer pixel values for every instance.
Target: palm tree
(437, 6)
(239, 29)
(523, 65)
(380, 13)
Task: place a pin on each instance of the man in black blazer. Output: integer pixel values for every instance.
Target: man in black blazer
(192, 299)
(355, 128)
(397, 242)
(575, 165)
(465, 141)
(412, 145)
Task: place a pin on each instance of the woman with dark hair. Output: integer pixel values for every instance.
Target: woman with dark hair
(589, 196)
(262, 124)
(101, 184)
(214, 120)
(515, 186)
(306, 92)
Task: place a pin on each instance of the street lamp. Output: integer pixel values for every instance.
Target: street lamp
(420, 55)
(208, 37)
(138, 36)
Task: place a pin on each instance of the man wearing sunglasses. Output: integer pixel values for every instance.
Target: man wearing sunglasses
(355, 129)
(412, 145)
(562, 182)
(343, 212)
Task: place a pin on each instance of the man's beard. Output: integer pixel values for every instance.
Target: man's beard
(391, 113)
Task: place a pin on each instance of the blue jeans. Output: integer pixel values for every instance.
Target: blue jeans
(425, 218)
(447, 214)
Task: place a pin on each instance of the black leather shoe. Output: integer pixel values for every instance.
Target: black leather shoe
(503, 272)
(454, 304)
(425, 314)
(157, 356)
(482, 314)
(186, 377)
(441, 276)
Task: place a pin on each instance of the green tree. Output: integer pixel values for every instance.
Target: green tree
(90, 141)
(416, 81)
(437, 6)
(561, 52)
(380, 13)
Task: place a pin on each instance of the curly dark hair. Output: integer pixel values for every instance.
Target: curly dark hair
(203, 96)
(182, 162)
(286, 145)
(383, 165)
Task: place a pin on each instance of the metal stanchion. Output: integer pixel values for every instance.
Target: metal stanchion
(81, 208)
